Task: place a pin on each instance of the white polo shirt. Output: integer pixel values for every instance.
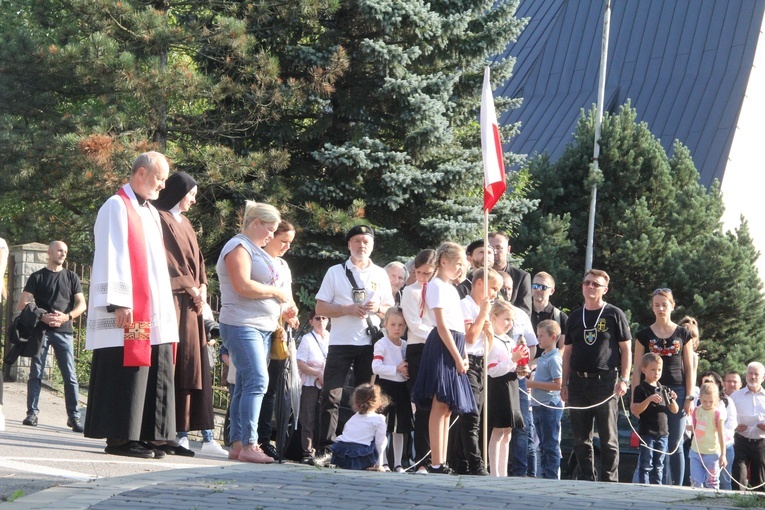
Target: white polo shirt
(337, 290)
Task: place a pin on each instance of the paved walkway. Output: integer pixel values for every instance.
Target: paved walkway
(52, 479)
(290, 486)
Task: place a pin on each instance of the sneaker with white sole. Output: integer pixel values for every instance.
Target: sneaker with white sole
(184, 442)
(255, 455)
(214, 449)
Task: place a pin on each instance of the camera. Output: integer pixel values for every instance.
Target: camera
(375, 332)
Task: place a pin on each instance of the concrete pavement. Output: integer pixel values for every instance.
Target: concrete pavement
(57, 469)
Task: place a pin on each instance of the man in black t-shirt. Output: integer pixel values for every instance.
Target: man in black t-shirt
(597, 357)
(58, 291)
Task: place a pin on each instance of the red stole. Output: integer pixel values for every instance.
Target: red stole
(138, 334)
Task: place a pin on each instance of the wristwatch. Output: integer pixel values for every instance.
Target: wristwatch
(689, 397)
(625, 380)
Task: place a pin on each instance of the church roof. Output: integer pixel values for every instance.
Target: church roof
(684, 64)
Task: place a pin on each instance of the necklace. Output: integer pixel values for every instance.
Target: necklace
(591, 334)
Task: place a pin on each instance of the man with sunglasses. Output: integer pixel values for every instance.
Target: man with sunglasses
(597, 357)
(542, 287)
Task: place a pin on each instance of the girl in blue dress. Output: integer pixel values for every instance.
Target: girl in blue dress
(442, 383)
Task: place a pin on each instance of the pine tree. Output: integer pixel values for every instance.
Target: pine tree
(656, 226)
(336, 112)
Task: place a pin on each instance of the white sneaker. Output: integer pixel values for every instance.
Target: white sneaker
(184, 442)
(213, 448)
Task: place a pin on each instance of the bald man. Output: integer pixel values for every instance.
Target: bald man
(58, 291)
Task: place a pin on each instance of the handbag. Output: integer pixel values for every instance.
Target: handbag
(279, 348)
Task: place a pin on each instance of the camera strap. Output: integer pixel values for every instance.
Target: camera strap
(355, 286)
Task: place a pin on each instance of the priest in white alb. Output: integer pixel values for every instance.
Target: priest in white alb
(132, 327)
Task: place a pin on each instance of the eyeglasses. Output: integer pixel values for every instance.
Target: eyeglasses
(590, 283)
(320, 318)
(661, 290)
(539, 286)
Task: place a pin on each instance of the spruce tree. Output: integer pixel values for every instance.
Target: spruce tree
(656, 226)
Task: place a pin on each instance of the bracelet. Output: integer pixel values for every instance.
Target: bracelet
(625, 380)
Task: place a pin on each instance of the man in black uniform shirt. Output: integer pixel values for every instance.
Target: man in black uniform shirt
(58, 291)
(596, 364)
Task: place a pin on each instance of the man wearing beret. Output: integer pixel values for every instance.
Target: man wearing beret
(355, 296)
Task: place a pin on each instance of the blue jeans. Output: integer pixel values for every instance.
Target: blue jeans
(675, 464)
(705, 470)
(207, 435)
(63, 347)
(522, 440)
(248, 348)
(730, 456)
(547, 425)
(651, 463)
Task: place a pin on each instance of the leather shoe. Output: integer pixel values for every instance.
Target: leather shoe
(269, 449)
(75, 425)
(130, 449)
(30, 420)
(158, 452)
(176, 450)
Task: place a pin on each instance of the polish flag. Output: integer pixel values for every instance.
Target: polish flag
(491, 146)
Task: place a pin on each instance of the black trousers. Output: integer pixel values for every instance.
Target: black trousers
(421, 416)
(467, 446)
(340, 358)
(749, 452)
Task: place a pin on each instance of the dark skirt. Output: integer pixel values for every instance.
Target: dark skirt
(504, 402)
(131, 403)
(353, 455)
(438, 377)
(399, 413)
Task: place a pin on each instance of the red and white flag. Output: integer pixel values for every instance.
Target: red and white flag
(491, 145)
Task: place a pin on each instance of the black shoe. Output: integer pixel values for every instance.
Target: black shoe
(270, 450)
(130, 449)
(176, 450)
(443, 469)
(308, 460)
(75, 425)
(158, 452)
(30, 420)
(478, 472)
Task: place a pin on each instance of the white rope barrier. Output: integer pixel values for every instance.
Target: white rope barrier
(528, 393)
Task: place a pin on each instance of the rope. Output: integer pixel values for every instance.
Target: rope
(528, 393)
(643, 443)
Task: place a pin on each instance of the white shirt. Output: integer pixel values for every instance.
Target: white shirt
(443, 295)
(750, 409)
(470, 311)
(336, 289)
(312, 351)
(522, 326)
(111, 282)
(418, 328)
(387, 357)
(731, 420)
(500, 360)
(363, 428)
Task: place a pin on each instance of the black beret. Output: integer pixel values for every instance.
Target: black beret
(359, 229)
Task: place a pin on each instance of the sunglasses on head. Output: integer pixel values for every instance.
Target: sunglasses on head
(540, 286)
(661, 290)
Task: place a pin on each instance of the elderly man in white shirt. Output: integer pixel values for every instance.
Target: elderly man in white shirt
(749, 440)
